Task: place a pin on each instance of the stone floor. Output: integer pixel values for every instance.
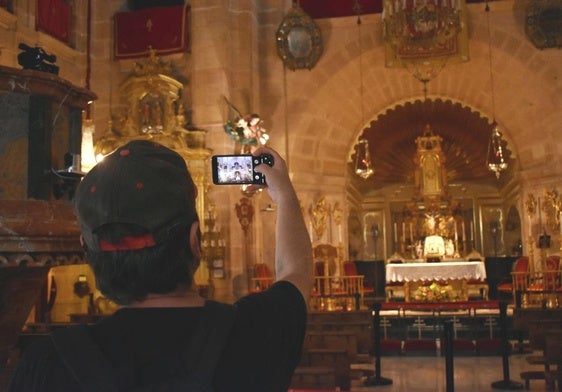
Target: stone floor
(427, 374)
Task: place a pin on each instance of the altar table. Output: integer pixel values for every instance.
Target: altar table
(459, 270)
(457, 274)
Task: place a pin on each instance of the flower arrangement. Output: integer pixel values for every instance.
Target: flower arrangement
(434, 293)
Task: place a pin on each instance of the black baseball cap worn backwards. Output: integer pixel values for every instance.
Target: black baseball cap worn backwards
(141, 183)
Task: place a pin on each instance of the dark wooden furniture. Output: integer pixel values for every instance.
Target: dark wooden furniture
(535, 322)
(41, 121)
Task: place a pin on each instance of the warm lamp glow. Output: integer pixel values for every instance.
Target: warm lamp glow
(87, 155)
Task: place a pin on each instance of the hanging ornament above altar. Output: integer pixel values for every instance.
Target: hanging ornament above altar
(424, 35)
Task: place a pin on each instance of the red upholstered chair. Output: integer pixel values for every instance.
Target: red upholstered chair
(350, 269)
(262, 279)
(520, 275)
(320, 282)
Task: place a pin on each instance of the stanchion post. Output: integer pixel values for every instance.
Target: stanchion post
(449, 368)
(377, 379)
(506, 383)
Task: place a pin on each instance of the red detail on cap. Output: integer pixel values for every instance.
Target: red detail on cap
(124, 152)
(140, 185)
(128, 243)
(92, 188)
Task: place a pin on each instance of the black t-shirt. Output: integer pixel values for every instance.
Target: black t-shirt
(263, 350)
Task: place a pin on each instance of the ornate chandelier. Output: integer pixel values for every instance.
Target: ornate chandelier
(422, 35)
(421, 23)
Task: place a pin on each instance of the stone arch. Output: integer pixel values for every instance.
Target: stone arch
(330, 102)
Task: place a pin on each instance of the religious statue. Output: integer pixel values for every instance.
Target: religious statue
(319, 214)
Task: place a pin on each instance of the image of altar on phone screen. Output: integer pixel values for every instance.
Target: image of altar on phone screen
(235, 169)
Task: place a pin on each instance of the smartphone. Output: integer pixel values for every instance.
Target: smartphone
(238, 169)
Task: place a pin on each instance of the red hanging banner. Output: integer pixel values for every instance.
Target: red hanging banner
(164, 29)
(54, 18)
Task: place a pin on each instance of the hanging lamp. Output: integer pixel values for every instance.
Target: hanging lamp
(363, 164)
(495, 159)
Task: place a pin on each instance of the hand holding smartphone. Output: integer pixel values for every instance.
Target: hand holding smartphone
(239, 169)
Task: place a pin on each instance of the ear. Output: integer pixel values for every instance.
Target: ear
(195, 240)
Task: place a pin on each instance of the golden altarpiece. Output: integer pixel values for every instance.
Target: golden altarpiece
(155, 111)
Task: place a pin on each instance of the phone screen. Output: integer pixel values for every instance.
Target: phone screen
(233, 169)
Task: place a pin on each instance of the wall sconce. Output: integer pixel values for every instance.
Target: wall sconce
(363, 164)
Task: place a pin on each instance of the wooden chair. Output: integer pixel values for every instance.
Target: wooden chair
(262, 279)
(350, 270)
(519, 278)
(328, 254)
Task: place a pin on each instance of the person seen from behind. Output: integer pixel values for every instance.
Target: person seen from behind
(141, 236)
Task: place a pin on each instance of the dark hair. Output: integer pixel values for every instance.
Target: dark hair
(130, 275)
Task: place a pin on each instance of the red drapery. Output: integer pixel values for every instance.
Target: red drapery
(164, 29)
(5, 4)
(318, 9)
(337, 8)
(54, 17)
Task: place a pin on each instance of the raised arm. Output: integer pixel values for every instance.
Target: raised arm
(293, 250)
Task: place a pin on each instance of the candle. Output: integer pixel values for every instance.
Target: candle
(404, 231)
(395, 233)
(463, 232)
(472, 231)
(560, 220)
(412, 233)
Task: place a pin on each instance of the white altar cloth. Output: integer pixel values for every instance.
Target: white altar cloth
(408, 272)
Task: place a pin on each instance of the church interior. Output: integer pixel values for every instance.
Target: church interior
(423, 138)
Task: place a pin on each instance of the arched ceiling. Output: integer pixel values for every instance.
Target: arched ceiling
(465, 135)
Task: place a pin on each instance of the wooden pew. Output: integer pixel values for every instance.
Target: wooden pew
(308, 377)
(346, 340)
(356, 322)
(336, 359)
